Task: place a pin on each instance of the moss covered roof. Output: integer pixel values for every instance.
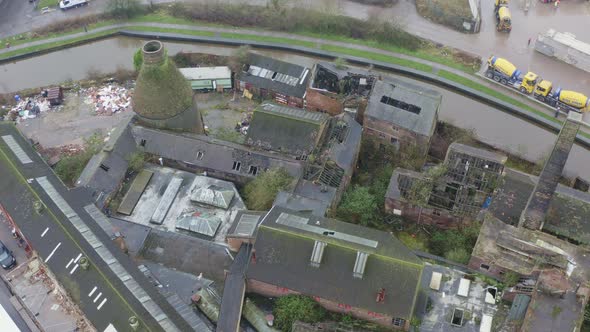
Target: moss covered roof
(283, 258)
(161, 91)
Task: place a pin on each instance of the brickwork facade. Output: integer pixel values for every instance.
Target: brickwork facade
(391, 134)
(319, 101)
(439, 218)
(269, 94)
(269, 290)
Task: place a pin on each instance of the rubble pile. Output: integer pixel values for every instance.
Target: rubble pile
(29, 108)
(108, 99)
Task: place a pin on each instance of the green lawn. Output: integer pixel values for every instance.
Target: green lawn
(54, 44)
(47, 3)
(170, 30)
(377, 57)
(268, 39)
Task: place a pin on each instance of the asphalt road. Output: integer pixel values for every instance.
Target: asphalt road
(56, 247)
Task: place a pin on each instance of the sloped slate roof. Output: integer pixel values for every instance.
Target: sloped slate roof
(207, 152)
(569, 209)
(283, 259)
(264, 78)
(428, 100)
(285, 129)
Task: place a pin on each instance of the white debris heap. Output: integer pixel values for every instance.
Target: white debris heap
(109, 99)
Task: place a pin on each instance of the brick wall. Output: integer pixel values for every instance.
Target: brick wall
(383, 132)
(322, 102)
(269, 290)
(269, 94)
(425, 215)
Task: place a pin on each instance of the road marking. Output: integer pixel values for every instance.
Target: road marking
(70, 263)
(77, 258)
(101, 304)
(45, 231)
(74, 269)
(53, 252)
(97, 297)
(92, 291)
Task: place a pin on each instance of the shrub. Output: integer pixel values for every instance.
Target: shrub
(136, 161)
(261, 192)
(301, 20)
(124, 8)
(138, 60)
(291, 308)
(359, 205)
(69, 168)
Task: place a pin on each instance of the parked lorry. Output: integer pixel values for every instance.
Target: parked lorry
(69, 4)
(503, 19)
(504, 72)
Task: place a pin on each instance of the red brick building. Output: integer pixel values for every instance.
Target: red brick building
(345, 267)
(401, 114)
(333, 88)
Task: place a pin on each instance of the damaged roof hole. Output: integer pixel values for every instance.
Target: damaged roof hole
(401, 105)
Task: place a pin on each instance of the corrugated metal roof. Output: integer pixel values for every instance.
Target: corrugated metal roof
(206, 73)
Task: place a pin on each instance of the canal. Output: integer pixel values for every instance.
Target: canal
(491, 126)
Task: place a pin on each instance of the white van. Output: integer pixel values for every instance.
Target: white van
(68, 4)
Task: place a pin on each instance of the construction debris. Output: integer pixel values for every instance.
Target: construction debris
(108, 99)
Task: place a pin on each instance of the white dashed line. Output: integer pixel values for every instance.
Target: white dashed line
(74, 269)
(44, 232)
(54, 249)
(70, 263)
(92, 291)
(77, 258)
(97, 297)
(101, 304)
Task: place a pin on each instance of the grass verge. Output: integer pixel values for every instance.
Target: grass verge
(49, 45)
(377, 57)
(496, 94)
(270, 39)
(47, 3)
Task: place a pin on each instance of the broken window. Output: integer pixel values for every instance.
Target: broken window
(393, 140)
(398, 322)
(457, 318)
(142, 143)
(236, 166)
(105, 167)
(200, 155)
(484, 266)
(253, 170)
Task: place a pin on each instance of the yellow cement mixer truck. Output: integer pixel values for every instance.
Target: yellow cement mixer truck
(504, 72)
(503, 19)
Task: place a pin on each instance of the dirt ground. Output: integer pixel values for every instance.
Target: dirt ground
(221, 114)
(71, 124)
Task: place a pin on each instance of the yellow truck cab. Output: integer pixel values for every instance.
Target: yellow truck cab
(543, 89)
(528, 83)
(499, 3)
